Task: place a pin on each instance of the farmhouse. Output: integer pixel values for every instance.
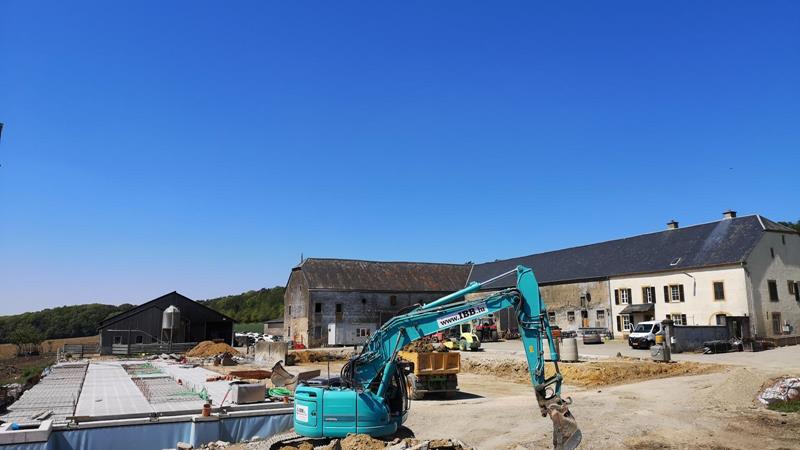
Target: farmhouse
(741, 272)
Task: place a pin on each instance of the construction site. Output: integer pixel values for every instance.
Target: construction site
(217, 396)
(425, 225)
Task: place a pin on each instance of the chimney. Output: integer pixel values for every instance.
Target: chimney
(729, 214)
(672, 225)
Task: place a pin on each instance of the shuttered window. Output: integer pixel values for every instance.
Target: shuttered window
(622, 296)
(674, 293)
(648, 294)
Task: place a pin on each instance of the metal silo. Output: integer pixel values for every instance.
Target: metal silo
(171, 319)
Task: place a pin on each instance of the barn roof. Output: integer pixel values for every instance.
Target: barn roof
(724, 242)
(136, 309)
(357, 275)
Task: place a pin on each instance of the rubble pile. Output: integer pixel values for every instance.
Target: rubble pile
(366, 442)
(424, 347)
(782, 390)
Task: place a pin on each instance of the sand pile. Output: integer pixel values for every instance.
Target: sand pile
(424, 347)
(209, 348)
(601, 373)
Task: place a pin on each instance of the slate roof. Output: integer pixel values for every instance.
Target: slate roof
(727, 241)
(356, 275)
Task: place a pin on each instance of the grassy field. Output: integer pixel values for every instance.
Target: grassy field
(8, 351)
(252, 327)
(20, 370)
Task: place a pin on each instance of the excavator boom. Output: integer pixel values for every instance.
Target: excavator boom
(372, 396)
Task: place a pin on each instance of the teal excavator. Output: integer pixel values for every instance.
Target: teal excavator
(372, 397)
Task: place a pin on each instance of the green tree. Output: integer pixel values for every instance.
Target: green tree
(793, 225)
(26, 338)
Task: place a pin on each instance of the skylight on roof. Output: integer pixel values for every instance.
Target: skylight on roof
(675, 261)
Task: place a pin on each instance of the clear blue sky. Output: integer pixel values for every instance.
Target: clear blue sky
(202, 146)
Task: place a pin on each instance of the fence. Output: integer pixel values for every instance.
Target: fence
(78, 350)
(783, 341)
(691, 337)
(133, 349)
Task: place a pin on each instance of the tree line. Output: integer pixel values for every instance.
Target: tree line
(83, 320)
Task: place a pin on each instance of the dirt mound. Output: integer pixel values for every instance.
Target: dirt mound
(302, 446)
(311, 356)
(424, 347)
(601, 373)
(210, 348)
(361, 442)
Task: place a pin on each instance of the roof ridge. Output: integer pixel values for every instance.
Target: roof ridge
(622, 239)
(384, 262)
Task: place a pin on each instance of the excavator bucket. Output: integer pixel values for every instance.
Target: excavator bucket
(280, 377)
(566, 435)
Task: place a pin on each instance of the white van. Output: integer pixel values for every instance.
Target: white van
(643, 335)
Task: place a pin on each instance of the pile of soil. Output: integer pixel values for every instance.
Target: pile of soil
(210, 348)
(424, 347)
(311, 356)
(600, 373)
(361, 442)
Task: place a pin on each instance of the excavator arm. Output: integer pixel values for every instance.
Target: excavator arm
(373, 376)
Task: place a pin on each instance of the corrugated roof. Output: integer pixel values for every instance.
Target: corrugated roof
(356, 275)
(726, 241)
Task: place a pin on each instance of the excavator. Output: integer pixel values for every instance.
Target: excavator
(372, 395)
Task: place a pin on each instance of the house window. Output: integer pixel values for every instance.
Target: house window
(792, 287)
(551, 317)
(317, 332)
(571, 316)
(626, 322)
(721, 319)
(338, 307)
(622, 296)
(118, 339)
(362, 332)
(317, 308)
(719, 290)
(393, 300)
(601, 315)
(776, 323)
(140, 339)
(679, 319)
(649, 294)
(773, 290)
(673, 293)
(289, 310)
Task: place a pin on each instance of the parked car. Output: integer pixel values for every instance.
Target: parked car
(592, 337)
(644, 334)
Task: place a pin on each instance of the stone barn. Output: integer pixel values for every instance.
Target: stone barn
(359, 295)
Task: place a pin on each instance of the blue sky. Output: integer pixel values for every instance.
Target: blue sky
(158, 146)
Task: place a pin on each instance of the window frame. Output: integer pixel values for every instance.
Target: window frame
(649, 294)
(626, 322)
(139, 339)
(624, 296)
(678, 319)
(599, 313)
(318, 308)
(673, 290)
(117, 340)
(551, 317)
(772, 288)
(773, 316)
(792, 286)
(570, 316)
(714, 290)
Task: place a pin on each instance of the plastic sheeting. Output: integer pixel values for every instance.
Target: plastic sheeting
(250, 427)
(157, 436)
